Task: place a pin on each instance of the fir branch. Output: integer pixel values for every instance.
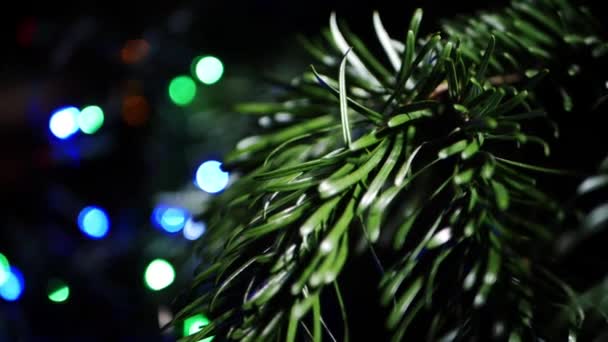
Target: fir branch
(432, 163)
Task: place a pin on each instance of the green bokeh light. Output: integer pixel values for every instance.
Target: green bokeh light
(209, 69)
(90, 119)
(59, 291)
(4, 268)
(159, 274)
(195, 324)
(182, 90)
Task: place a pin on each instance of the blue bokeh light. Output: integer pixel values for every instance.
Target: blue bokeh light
(12, 288)
(64, 122)
(170, 219)
(211, 178)
(94, 222)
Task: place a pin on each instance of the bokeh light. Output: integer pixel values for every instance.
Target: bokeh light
(58, 291)
(94, 222)
(209, 69)
(170, 219)
(196, 323)
(211, 178)
(63, 122)
(159, 274)
(182, 90)
(193, 229)
(90, 119)
(26, 31)
(12, 288)
(134, 51)
(165, 316)
(135, 110)
(4, 269)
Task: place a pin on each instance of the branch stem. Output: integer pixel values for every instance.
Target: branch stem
(494, 80)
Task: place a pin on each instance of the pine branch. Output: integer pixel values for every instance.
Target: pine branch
(426, 156)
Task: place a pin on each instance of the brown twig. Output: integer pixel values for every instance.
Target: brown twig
(494, 80)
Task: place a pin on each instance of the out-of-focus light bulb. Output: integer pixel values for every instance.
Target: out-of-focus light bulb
(196, 323)
(211, 178)
(63, 122)
(209, 69)
(90, 119)
(4, 269)
(170, 219)
(94, 222)
(159, 274)
(165, 316)
(182, 90)
(59, 291)
(12, 288)
(193, 229)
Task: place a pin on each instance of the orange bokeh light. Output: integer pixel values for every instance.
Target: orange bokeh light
(134, 51)
(135, 110)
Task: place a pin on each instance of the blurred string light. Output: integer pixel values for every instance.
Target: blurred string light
(59, 291)
(134, 51)
(63, 122)
(159, 274)
(193, 229)
(180, 20)
(195, 324)
(90, 119)
(94, 222)
(208, 69)
(170, 219)
(135, 110)
(12, 288)
(165, 316)
(182, 90)
(210, 177)
(26, 32)
(4, 269)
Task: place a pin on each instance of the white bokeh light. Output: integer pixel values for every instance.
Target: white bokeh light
(63, 123)
(193, 229)
(211, 178)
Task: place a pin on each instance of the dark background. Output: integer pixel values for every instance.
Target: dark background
(67, 54)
